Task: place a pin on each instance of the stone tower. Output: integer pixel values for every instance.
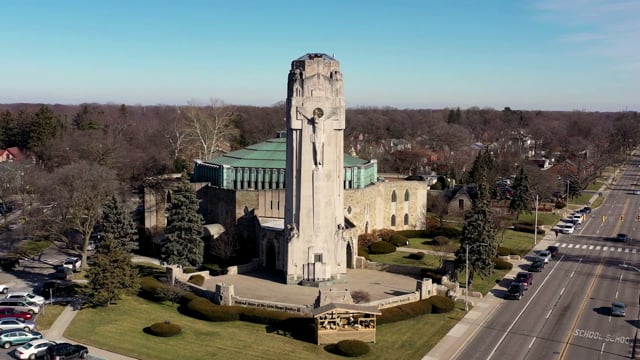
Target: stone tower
(314, 219)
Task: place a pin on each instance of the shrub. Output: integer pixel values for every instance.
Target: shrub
(404, 311)
(412, 233)
(261, 316)
(416, 256)
(206, 310)
(382, 247)
(398, 240)
(383, 234)
(526, 228)
(434, 275)
(352, 348)
(448, 232)
(150, 287)
(360, 296)
(189, 270)
(505, 251)
(560, 205)
(362, 251)
(165, 329)
(500, 264)
(440, 241)
(441, 304)
(367, 239)
(196, 279)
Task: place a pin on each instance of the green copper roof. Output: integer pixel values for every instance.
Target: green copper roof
(268, 154)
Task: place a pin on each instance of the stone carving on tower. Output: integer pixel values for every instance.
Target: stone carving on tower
(314, 219)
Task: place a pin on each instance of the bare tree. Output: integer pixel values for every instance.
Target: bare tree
(172, 292)
(210, 127)
(76, 193)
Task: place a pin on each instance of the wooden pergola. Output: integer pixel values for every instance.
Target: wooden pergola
(336, 322)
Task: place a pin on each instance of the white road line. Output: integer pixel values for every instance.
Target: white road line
(619, 249)
(561, 291)
(564, 245)
(557, 244)
(570, 246)
(591, 247)
(598, 247)
(573, 272)
(602, 350)
(532, 341)
(626, 250)
(604, 248)
(633, 251)
(549, 313)
(585, 246)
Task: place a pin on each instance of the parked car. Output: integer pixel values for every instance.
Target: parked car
(525, 278)
(17, 324)
(57, 288)
(553, 250)
(63, 273)
(4, 288)
(622, 237)
(66, 351)
(618, 309)
(536, 265)
(73, 263)
(16, 337)
(25, 295)
(576, 218)
(33, 349)
(13, 312)
(515, 291)
(21, 305)
(545, 256)
(565, 228)
(586, 210)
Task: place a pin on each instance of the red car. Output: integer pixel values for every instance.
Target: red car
(11, 312)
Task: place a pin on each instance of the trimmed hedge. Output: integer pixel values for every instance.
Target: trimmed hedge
(412, 233)
(362, 251)
(448, 232)
(505, 251)
(441, 304)
(165, 329)
(204, 309)
(500, 264)
(527, 229)
(440, 241)
(352, 348)
(196, 279)
(398, 240)
(382, 247)
(416, 256)
(214, 269)
(404, 311)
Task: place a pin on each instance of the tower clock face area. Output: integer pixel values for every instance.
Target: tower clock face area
(318, 113)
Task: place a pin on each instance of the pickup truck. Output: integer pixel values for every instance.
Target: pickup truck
(73, 263)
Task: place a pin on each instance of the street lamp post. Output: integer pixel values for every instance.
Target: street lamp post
(466, 282)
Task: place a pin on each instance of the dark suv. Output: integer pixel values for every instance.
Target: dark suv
(524, 278)
(64, 351)
(515, 291)
(553, 250)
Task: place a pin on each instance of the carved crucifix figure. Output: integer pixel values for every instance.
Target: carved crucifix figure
(318, 136)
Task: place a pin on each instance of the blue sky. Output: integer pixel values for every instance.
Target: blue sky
(538, 54)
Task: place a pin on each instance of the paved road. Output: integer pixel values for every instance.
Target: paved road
(566, 313)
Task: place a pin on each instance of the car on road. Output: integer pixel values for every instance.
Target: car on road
(16, 337)
(586, 210)
(17, 324)
(536, 265)
(545, 256)
(66, 351)
(514, 291)
(525, 278)
(622, 237)
(618, 309)
(25, 295)
(13, 312)
(4, 288)
(575, 218)
(565, 228)
(554, 250)
(33, 349)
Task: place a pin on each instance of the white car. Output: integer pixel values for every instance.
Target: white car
(544, 256)
(565, 228)
(577, 218)
(73, 263)
(25, 295)
(10, 323)
(33, 349)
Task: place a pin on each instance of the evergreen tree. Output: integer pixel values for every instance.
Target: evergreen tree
(183, 244)
(522, 197)
(111, 274)
(483, 167)
(84, 120)
(478, 230)
(117, 223)
(575, 188)
(44, 126)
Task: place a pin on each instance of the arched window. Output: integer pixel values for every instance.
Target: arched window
(394, 197)
(393, 220)
(406, 195)
(349, 210)
(406, 219)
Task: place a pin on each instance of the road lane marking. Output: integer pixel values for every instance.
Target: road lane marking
(602, 350)
(605, 248)
(598, 247)
(590, 247)
(619, 249)
(549, 313)
(564, 245)
(570, 246)
(587, 296)
(633, 251)
(531, 343)
(557, 244)
(626, 250)
(525, 308)
(561, 291)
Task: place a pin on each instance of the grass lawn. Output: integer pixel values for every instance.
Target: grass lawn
(595, 186)
(544, 218)
(517, 240)
(48, 315)
(483, 285)
(119, 328)
(401, 258)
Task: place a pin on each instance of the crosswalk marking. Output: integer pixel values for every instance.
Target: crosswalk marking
(591, 247)
(626, 250)
(633, 251)
(619, 249)
(598, 247)
(570, 246)
(564, 245)
(605, 248)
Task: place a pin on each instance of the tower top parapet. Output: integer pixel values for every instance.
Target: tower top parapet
(313, 56)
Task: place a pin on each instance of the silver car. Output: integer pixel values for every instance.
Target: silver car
(9, 323)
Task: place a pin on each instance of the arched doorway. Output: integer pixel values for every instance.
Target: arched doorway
(349, 256)
(271, 256)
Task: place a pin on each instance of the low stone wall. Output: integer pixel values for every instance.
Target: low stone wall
(394, 301)
(275, 306)
(243, 269)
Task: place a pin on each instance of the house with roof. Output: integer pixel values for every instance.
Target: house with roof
(11, 154)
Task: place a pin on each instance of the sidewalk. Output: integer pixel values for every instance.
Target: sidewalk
(57, 329)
